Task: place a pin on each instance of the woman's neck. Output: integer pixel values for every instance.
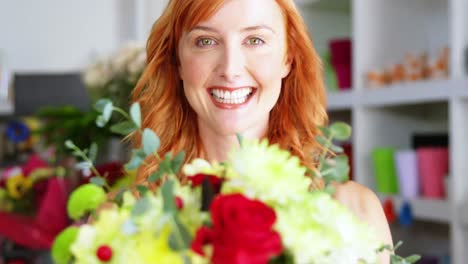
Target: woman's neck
(217, 146)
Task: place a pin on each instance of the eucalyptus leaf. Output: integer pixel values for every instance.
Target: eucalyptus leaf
(167, 191)
(101, 103)
(413, 258)
(69, 144)
(141, 206)
(134, 163)
(107, 112)
(178, 161)
(325, 131)
(240, 139)
(139, 153)
(336, 149)
(135, 114)
(124, 128)
(119, 197)
(397, 245)
(101, 121)
(323, 141)
(93, 152)
(183, 232)
(142, 189)
(156, 176)
(342, 168)
(166, 164)
(98, 181)
(340, 131)
(151, 142)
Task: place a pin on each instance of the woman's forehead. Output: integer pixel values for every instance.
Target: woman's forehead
(245, 15)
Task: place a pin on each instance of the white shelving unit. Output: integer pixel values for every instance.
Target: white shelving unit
(6, 107)
(383, 31)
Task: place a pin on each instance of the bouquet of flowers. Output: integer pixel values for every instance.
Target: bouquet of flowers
(33, 201)
(256, 207)
(115, 76)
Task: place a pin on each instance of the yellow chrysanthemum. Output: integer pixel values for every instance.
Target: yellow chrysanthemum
(267, 173)
(18, 185)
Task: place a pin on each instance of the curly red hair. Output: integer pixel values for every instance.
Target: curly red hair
(300, 109)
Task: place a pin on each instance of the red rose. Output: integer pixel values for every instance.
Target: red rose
(242, 231)
(198, 179)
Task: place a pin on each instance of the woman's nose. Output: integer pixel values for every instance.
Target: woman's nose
(231, 63)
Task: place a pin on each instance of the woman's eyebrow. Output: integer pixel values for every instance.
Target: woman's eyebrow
(249, 28)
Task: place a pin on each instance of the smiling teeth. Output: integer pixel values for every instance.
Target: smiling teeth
(238, 96)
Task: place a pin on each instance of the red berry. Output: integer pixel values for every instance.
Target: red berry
(179, 202)
(104, 253)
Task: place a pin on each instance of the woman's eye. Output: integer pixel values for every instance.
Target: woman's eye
(255, 41)
(203, 42)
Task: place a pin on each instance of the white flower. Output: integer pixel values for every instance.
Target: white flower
(97, 75)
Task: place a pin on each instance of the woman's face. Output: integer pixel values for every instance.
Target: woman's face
(232, 66)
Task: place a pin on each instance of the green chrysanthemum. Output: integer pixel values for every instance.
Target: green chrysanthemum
(201, 166)
(267, 173)
(132, 239)
(320, 230)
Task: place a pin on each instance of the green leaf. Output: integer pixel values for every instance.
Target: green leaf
(240, 139)
(119, 197)
(135, 113)
(101, 103)
(178, 161)
(340, 131)
(140, 153)
(69, 144)
(124, 128)
(142, 189)
(101, 121)
(398, 244)
(156, 176)
(93, 152)
(179, 239)
(325, 131)
(336, 149)
(322, 141)
(167, 191)
(134, 163)
(151, 142)
(336, 169)
(98, 181)
(413, 258)
(166, 164)
(107, 112)
(141, 206)
(342, 168)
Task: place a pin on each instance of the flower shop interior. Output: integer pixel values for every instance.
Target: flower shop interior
(396, 71)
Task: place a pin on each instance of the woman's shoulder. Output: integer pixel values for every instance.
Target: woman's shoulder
(358, 198)
(365, 204)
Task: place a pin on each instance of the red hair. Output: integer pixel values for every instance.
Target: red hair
(301, 106)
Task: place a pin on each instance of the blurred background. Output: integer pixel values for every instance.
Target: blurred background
(395, 70)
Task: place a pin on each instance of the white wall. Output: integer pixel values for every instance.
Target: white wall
(148, 12)
(58, 35)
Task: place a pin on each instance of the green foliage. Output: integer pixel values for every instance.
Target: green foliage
(69, 123)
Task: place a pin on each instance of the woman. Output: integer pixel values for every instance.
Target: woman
(217, 68)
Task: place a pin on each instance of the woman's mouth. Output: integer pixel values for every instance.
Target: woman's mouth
(230, 98)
